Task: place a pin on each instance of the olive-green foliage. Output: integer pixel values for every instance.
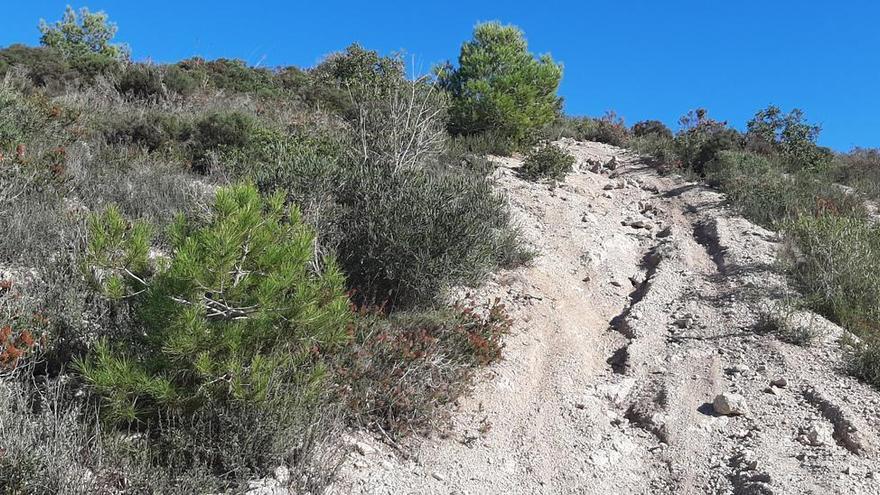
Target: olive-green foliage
(142, 81)
(790, 136)
(228, 74)
(306, 169)
(85, 35)
(660, 150)
(20, 117)
(45, 67)
(486, 143)
(701, 139)
(240, 304)
(231, 129)
(835, 260)
(357, 64)
(219, 132)
(860, 169)
(759, 187)
(651, 127)
(500, 86)
(408, 235)
(547, 162)
(151, 130)
(609, 129)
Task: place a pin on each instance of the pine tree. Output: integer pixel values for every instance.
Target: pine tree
(241, 302)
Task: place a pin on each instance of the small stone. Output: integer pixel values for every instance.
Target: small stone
(738, 369)
(771, 390)
(282, 474)
(608, 195)
(855, 471)
(437, 476)
(818, 434)
(685, 321)
(730, 404)
(364, 448)
(779, 382)
(616, 283)
(608, 187)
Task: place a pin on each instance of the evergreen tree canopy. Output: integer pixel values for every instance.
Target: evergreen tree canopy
(499, 85)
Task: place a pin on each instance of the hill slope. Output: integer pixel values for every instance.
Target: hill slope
(644, 303)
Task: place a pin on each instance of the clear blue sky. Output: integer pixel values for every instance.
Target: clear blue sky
(644, 59)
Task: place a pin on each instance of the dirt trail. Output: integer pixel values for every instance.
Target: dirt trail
(638, 310)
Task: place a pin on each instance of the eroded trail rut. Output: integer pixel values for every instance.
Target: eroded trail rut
(640, 308)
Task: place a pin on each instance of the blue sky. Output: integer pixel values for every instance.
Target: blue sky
(644, 59)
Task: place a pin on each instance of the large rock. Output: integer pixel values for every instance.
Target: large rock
(730, 404)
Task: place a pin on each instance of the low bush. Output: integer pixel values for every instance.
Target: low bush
(142, 81)
(609, 129)
(759, 188)
(651, 128)
(486, 143)
(44, 67)
(227, 74)
(860, 169)
(701, 139)
(788, 136)
(402, 370)
(409, 235)
(547, 162)
(659, 149)
(834, 259)
(152, 130)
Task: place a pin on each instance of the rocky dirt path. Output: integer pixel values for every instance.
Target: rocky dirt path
(640, 309)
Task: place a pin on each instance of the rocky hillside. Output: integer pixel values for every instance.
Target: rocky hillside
(650, 354)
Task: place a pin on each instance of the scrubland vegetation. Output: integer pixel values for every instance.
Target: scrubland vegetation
(209, 270)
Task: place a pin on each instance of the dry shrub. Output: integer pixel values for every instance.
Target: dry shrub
(405, 368)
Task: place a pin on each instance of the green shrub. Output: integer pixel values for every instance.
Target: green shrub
(610, 129)
(45, 67)
(651, 127)
(789, 136)
(238, 305)
(180, 81)
(228, 74)
(409, 235)
(230, 129)
(547, 162)
(486, 143)
(153, 130)
(141, 81)
(860, 168)
(759, 188)
(835, 259)
(659, 149)
(499, 86)
(701, 139)
(402, 370)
